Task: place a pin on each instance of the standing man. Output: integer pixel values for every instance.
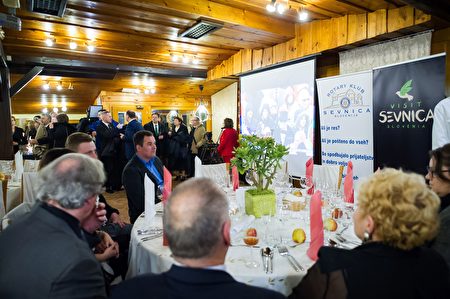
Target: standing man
(160, 131)
(108, 137)
(441, 124)
(142, 163)
(41, 141)
(44, 254)
(197, 225)
(198, 139)
(133, 126)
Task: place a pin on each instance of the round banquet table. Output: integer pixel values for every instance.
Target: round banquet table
(150, 256)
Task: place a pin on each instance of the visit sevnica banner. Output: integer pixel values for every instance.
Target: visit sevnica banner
(404, 99)
(346, 125)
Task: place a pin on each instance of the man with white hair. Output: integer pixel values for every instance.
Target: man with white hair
(197, 226)
(44, 254)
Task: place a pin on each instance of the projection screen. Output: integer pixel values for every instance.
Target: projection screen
(279, 102)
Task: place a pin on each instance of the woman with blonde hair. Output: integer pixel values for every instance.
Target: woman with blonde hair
(396, 215)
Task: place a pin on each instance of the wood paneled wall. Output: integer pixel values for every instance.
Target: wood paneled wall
(318, 36)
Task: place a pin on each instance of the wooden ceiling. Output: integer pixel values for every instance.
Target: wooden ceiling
(137, 38)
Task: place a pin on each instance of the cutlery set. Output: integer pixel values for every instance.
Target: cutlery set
(267, 258)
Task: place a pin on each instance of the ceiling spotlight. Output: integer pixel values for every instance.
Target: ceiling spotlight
(46, 86)
(59, 86)
(73, 45)
(135, 81)
(55, 110)
(195, 60)
(153, 90)
(64, 109)
(146, 91)
(91, 48)
(43, 102)
(174, 57)
(271, 6)
(303, 15)
(45, 110)
(49, 42)
(185, 59)
(281, 8)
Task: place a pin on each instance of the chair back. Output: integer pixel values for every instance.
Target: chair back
(15, 214)
(216, 172)
(329, 174)
(29, 181)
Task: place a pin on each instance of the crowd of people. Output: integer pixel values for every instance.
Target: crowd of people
(56, 249)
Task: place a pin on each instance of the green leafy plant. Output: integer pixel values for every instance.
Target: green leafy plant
(260, 156)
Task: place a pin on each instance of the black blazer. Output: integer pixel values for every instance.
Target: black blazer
(42, 257)
(374, 270)
(109, 139)
(184, 282)
(162, 131)
(133, 180)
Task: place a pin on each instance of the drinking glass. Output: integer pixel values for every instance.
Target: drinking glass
(251, 241)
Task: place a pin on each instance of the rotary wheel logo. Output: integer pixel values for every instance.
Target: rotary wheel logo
(345, 102)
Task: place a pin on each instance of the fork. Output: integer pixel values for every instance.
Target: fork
(344, 240)
(283, 251)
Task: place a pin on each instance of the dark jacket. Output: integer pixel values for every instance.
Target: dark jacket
(442, 242)
(375, 270)
(131, 129)
(19, 137)
(162, 131)
(179, 148)
(57, 136)
(109, 140)
(42, 256)
(185, 282)
(133, 180)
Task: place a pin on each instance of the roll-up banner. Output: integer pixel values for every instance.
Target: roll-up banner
(404, 99)
(346, 125)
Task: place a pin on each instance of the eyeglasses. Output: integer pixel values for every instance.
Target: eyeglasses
(433, 171)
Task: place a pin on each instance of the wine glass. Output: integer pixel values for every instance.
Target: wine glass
(251, 239)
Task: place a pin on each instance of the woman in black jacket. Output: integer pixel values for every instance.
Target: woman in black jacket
(396, 215)
(18, 135)
(178, 147)
(61, 130)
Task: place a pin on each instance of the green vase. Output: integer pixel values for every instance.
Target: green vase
(260, 203)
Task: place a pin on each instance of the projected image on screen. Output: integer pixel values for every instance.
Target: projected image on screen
(280, 103)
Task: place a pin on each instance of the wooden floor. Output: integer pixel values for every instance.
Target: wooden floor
(119, 201)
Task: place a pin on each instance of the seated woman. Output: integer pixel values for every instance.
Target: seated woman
(439, 178)
(396, 215)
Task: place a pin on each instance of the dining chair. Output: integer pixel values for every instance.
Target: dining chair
(329, 174)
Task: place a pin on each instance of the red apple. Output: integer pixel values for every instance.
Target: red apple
(251, 232)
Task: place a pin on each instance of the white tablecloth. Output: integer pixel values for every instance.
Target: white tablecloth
(152, 256)
(13, 199)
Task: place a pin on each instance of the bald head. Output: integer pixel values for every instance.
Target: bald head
(194, 217)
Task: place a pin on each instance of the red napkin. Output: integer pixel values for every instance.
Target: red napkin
(167, 184)
(166, 193)
(235, 178)
(348, 184)
(316, 225)
(309, 175)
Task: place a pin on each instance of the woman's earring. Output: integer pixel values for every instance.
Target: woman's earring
(367, 237)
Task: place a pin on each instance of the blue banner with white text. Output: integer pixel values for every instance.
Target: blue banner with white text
(404, 97)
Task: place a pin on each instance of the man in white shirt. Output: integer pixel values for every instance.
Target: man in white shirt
(441, 124)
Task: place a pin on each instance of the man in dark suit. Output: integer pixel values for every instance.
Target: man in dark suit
(160, 131)
(108, 137)
(133, 126)
(197, 226)
(142, 163)
(44, 254)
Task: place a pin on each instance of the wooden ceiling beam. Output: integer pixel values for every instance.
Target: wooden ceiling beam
(219, 12)
(438, 8)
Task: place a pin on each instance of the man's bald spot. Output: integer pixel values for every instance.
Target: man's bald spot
(66, 165)
(185, 208)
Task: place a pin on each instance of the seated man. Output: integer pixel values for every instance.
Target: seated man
(197, 226)
(120, 231)
(143, 162)
(44, 254)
